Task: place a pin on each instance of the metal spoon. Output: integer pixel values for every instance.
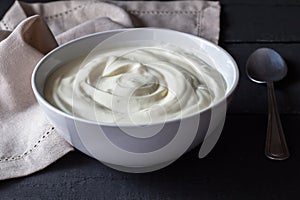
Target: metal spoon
(265, 66)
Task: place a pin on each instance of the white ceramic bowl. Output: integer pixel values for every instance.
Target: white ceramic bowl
(120, 146)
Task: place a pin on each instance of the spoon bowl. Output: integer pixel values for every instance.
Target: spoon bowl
(266, 65)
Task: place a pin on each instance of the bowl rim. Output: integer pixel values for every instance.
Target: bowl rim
(41, 98)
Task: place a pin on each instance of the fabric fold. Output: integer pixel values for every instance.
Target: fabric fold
(28, 141)
(4, 34)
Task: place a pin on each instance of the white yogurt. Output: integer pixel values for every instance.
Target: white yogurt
(135, 85)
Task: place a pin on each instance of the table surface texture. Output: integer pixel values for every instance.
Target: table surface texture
(237, 167)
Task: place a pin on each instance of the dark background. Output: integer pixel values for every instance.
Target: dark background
(237, 167)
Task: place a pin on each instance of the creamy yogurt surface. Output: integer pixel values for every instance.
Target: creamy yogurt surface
(135, 84)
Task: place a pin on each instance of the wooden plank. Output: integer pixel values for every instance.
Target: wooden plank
(260, 2)
(251, 97)
(260, 23)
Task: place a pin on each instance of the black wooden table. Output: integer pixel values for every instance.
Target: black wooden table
(237, 167)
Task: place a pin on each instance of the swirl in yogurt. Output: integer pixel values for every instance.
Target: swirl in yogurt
(135, 85)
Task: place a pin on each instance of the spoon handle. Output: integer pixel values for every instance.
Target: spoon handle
(276, 147)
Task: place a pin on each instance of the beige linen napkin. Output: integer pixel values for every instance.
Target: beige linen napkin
(28, 142)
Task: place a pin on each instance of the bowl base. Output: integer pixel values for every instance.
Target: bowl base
(138, 169)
